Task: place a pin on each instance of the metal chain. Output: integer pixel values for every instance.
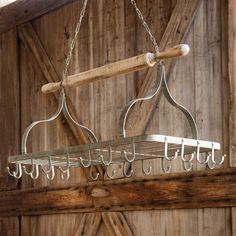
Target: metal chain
(77, 29)
(140, 15)
(72, 44)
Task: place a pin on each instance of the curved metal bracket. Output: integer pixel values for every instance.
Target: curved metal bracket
(160, 83)
(61, 107)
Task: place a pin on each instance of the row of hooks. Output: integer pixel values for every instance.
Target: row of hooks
(187, 163)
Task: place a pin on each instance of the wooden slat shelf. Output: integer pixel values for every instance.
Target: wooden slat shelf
(215, 188)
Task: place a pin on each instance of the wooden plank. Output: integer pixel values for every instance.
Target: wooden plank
(89, 224)
(175, 33)
(9, 121)
(116, 224)
(60, 224)
(173, 191)
(22, 11)
(232, 92)
(9, 226)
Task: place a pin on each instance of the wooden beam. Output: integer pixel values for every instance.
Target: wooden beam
(214, 188)
(89, 224)
(175, 33)
(116, 224)
(22, 11)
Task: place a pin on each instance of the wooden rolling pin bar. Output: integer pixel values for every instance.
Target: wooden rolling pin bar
(126, 66)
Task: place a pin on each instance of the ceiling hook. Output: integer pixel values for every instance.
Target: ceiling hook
(91, 174)
(129, 172)
(148, 171)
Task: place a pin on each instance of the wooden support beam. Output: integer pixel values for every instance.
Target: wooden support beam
(116, 224)
(89, 224)
(214, 188)
(175, 33)
(22, 11)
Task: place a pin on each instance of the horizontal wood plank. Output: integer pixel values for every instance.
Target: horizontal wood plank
(215, 188)
(21, 11)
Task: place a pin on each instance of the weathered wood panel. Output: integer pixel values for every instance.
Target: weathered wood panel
(10, 116)
(19, 11)
(111, 32)
(187, 190)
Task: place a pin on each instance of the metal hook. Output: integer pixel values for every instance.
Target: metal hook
(16, 174)
(213, 157)
(133, 153)
(128, 173)
(146, 172)
(198, 155)
(189, 163)
(182, 154)
(37, 172)
(67, 170)
(50, 170)
(166, 152)
(165, 170)
(112, 175)
(107, 163)
(210, 166)
(32, 168)
(89, 160)
(91, 174)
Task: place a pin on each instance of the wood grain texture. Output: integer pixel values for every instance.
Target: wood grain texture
(99, 105)
(232, 92)
(21, 11)
(175, 33)
(188, 190)
(9, 118)
(61, 224)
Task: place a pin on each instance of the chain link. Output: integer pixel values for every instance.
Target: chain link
(77, 29)
(140, 15)
(72, 44)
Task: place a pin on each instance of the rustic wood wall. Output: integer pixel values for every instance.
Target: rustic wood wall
(110, 32)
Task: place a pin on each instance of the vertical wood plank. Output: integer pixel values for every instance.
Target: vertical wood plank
(10, 117)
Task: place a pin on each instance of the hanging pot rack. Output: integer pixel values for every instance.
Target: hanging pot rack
(124, 149)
